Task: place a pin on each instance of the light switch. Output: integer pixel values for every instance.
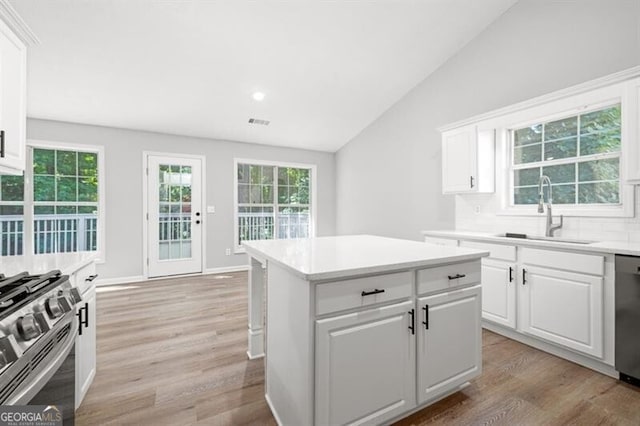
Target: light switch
(211, 209)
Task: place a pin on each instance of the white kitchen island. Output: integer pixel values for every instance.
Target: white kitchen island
(362, 329)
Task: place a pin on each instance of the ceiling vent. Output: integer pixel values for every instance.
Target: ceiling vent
(259, 121)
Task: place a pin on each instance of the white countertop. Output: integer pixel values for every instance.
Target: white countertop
(325, 258)
(40, 263)
(608, 247)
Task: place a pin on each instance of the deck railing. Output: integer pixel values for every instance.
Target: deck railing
(261, 226)
(51, 234)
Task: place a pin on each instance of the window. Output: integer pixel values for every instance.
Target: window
(273, 201)
(579, 153)
(57, 205)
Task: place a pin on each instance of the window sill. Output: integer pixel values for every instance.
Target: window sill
(532, 211)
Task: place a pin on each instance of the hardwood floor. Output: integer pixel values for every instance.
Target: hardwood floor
(173, 352)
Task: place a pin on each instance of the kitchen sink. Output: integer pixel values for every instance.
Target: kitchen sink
(549, 239)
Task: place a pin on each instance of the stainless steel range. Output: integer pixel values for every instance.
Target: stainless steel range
(38, 326)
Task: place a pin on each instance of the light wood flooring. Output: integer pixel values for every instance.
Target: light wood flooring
(173, 352)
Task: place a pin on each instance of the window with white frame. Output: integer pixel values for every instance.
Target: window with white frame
(55, 206)
(273, 201)
(580, 154)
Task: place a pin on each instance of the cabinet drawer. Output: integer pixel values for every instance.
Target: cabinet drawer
(441, 241)
(360, 292)
(82, 277)
(443, 277)
(496, 251)
(575, 262)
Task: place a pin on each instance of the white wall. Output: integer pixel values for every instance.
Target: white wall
(389, 176)
(123, 168)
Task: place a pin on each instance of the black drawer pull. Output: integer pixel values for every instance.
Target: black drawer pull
(413, 321)
(91, 277)
(524, 276)
(425, 308)
(369, 293)
(510, 274)
(2, 153)
(456, 276)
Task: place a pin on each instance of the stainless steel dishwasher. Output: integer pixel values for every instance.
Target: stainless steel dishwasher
(628, 318)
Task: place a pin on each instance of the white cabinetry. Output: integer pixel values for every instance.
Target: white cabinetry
(365, 366)
(631, 115)
(83, 279)
(563, 307)
(499, 292)
(13, 112)
(444, 361)
(468, 158)
(86, 345)
(498, 282)
(365, 351)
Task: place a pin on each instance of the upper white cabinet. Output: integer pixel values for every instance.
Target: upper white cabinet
(631, 147)
(468, 158)
(14, 37)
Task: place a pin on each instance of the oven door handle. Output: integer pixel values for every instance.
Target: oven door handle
(25, 395)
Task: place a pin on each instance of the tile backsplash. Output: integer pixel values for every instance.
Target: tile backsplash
(468, 218)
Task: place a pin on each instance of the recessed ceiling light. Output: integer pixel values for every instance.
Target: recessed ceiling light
(258, 96)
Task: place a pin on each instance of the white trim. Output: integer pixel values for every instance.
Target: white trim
(145, 210)
(15, 22)
(238, 249)
(225, 269)
(608, 80)
(554, 108)
(271, 406)
(142, 278)
(101, 252)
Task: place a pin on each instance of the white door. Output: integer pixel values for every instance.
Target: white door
(174, 206)
(365, 365)
(562, 307)
(449, 341)
(499, 292)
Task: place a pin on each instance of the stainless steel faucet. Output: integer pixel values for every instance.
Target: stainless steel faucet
(551, 227)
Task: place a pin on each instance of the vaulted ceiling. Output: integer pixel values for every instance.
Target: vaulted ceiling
(189, 67)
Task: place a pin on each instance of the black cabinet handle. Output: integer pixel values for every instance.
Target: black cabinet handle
(510, 274)
(197, 213)
(524, 276)
(413, 321)
(197, 222)
(1, 143)
(425, 308)
(456, 276)
(79, 315)
(369, 293)
(91, 277)
(85, 322)
(471, 181)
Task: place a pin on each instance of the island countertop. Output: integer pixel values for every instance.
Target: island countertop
(325, 258)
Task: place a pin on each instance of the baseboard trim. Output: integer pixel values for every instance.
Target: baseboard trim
(273, 410)
(142, 278)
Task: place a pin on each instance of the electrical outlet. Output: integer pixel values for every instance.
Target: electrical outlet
(477, 209)
(228, 252)
(211, 209)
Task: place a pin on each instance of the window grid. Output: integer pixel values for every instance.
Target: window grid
(577, 160)
(270, 218)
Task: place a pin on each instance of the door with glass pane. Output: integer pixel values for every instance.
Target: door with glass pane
(174, 197)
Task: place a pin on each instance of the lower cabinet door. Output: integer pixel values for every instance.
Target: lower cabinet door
(562, 307)
(449, 341)
(86, 345)
(365, 366)
(499, 292)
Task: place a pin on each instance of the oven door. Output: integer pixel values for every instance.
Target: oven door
(51, 379)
